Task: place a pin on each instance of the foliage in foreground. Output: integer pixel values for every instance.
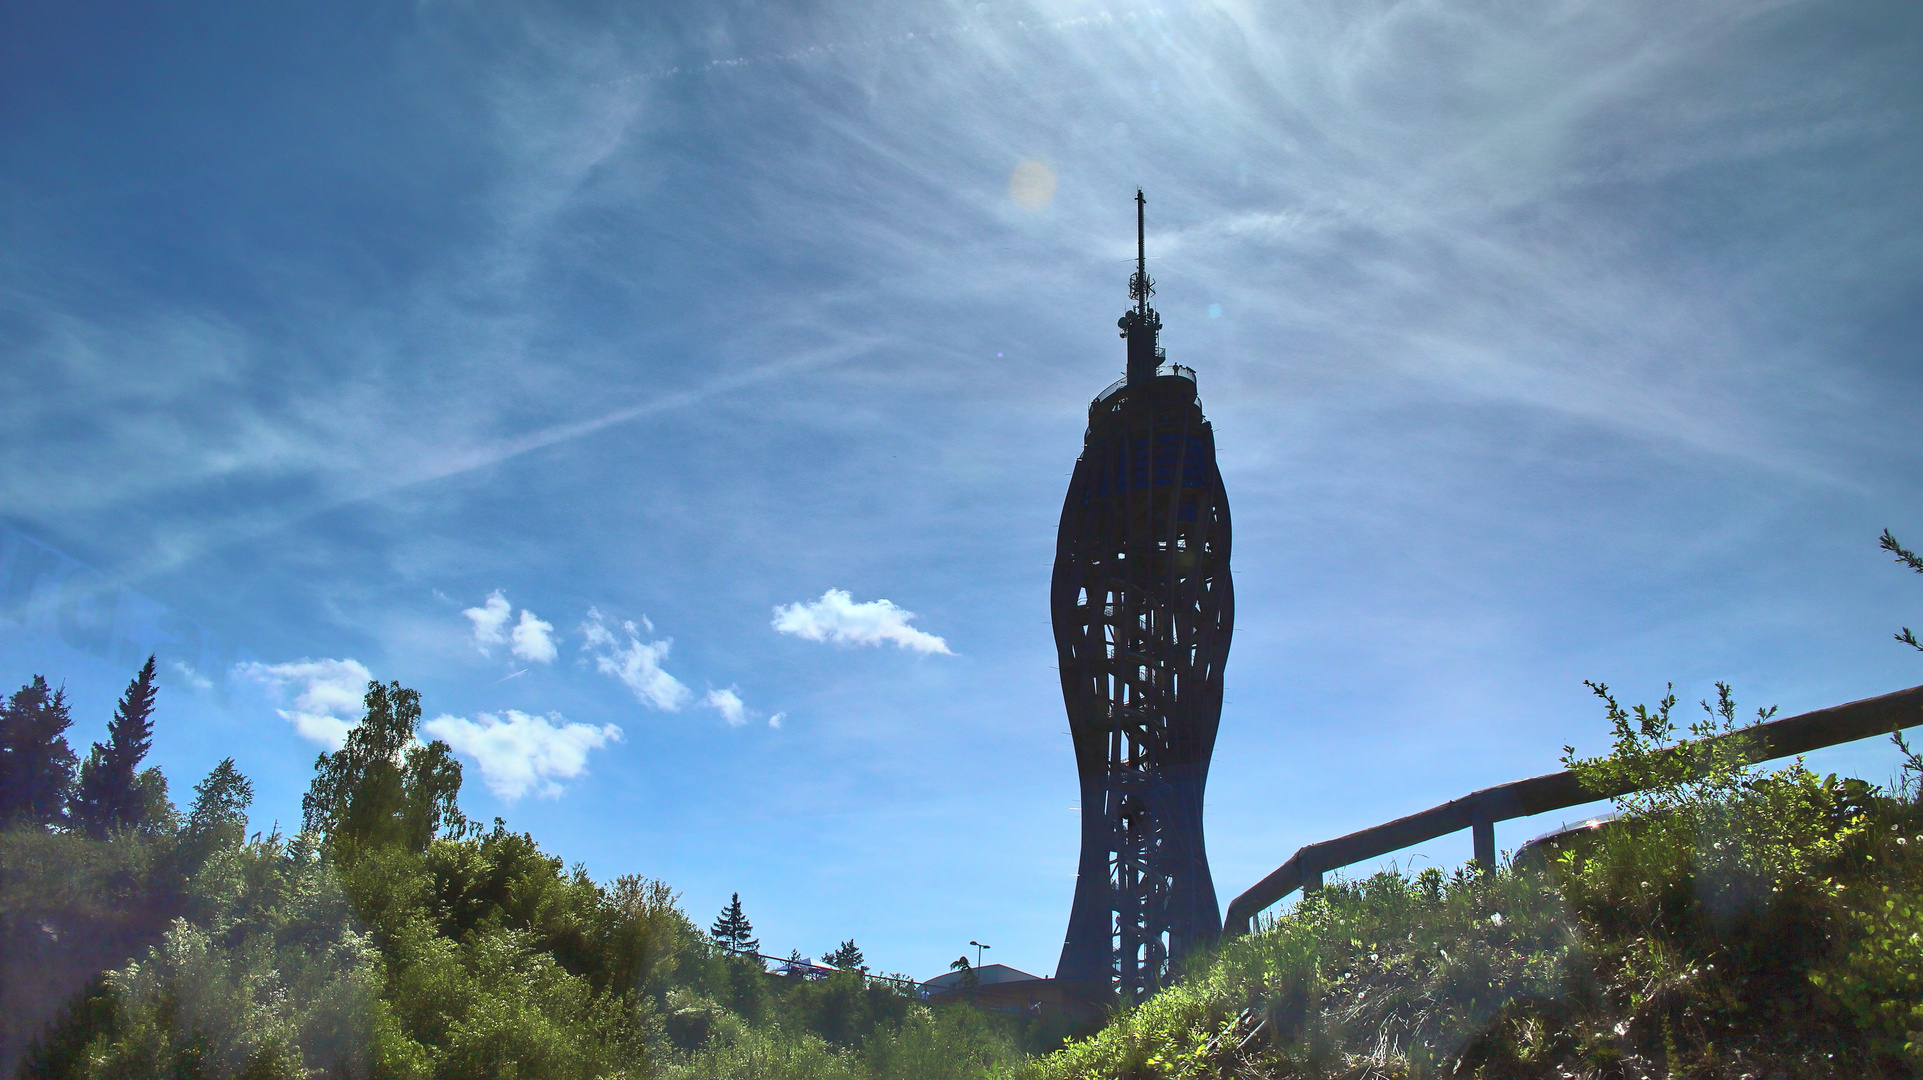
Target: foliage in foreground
(393, 938)
(1728, 924)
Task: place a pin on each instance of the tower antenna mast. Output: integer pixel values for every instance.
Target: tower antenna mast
(1141, 287)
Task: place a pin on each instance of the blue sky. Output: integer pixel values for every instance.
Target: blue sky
(1543, 343)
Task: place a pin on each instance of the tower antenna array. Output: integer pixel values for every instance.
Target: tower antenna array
(1141, 286)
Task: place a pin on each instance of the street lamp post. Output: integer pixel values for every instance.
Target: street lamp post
(978, 951)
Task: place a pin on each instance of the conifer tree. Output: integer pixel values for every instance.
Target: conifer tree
(36, 765)
(847, 955)
(218, 818)
(110, 795)
(733, 930)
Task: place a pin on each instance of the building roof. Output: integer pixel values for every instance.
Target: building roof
(805, 968)
(986, 975)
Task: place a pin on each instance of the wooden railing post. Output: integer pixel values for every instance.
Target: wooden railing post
(1484, 832)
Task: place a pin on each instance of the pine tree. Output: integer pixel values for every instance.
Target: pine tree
(218, 818)
(109, 795)
(733, 930)
(848, 955)
(36, 765)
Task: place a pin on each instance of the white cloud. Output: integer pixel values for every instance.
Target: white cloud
(532, 639)
(636, 664)
(729, 705)
(522, 753)
(330, 692)
(837, 618)
(775, 720)
(488, 621)
(194, 678)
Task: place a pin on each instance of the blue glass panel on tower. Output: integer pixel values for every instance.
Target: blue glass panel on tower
(1143, 610)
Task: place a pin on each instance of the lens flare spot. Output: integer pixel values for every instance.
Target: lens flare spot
(1032, 184)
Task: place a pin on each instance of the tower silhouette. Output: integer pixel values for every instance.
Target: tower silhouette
(1143, 610)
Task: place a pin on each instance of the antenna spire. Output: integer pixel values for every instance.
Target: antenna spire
(1141, 286)
(1140, 324)
(1141, 243)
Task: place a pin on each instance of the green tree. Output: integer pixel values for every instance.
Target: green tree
(219, 813)
(733, 930)
(36, 765)
(111, 794)
(846, 955)
(217, 821)
(383, 787)
(969, 981)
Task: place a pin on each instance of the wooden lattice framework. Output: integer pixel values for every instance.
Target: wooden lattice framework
(1143, 609)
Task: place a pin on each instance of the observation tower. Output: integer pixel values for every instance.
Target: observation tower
(1143, 610)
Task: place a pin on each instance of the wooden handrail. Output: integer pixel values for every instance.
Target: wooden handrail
(1480, 810)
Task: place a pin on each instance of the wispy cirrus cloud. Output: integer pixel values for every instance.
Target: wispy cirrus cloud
(519, 752)
(838, 618)
(194, 678)
(326, 694)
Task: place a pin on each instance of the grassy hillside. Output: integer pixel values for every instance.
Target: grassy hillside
(1729, 924)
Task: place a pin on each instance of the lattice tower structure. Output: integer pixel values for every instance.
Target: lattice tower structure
(1143, 611)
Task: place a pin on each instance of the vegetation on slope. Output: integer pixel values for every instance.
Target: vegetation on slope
(1729, 923)
(393, 938)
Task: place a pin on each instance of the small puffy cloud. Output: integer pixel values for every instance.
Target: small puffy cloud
(837, 618)
(636, 663)
(519, 753)
(489, 619)
(729, 705)
(329, 691)
(533, 639)
(775, 720)
(529, 639)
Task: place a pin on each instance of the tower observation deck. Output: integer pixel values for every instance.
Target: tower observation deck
(1143, 610)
